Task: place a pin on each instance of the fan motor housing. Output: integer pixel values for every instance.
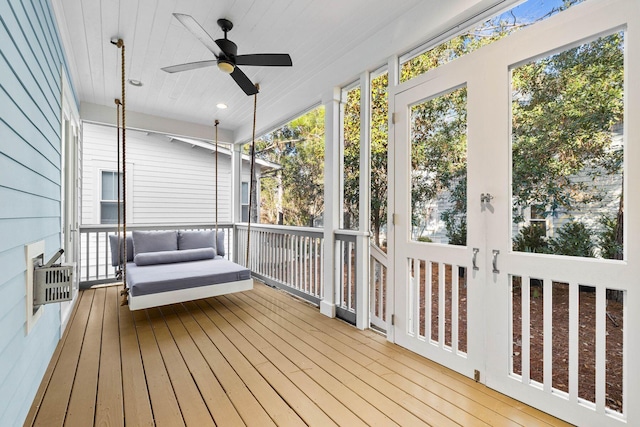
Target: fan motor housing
(229, 48)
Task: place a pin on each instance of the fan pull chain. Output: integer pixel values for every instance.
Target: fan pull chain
(253, 161)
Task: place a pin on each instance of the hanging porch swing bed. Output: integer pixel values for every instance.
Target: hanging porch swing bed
(168, 267)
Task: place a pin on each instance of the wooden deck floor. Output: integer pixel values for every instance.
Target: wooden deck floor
(258, 358)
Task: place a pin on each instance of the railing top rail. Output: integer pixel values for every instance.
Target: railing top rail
(110, 227)
(357, 233)
(378, 254)
(284, 229)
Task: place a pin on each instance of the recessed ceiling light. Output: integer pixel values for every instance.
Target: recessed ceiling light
(221, 106)
(134, 82)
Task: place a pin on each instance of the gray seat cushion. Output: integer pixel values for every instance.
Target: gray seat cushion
(151, 279)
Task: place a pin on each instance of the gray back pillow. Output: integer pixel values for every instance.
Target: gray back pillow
(154, 241)
(113, 243)
(195, 239)
(201, 239)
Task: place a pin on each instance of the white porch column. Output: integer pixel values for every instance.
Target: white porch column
(236, 184)
(362, 240)
(393, 68)
(332, 172)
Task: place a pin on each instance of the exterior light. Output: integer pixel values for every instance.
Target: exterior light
(134, 82)
(221, 106)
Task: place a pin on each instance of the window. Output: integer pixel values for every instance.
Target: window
(538, 219)
(524, 14)
(109, 198)
(379, 137)
(244, 202)
(350, 183)
(291, 178)
(567, 148)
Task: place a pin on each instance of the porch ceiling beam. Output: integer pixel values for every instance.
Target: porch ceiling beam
(106, 115)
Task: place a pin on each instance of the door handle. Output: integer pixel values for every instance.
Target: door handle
(495, 261)
(473, 261)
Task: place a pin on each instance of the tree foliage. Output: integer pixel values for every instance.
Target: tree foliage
(351, 159)
(294, 193)
(565, 108)
(379, 155)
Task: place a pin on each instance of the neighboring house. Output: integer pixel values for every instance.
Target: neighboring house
(170, 180)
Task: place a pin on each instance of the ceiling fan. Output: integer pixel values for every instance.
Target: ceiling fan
(226, 53)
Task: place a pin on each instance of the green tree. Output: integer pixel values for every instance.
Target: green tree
(379, 155)
(294, 194)
(438, 160)
(351, 159)
(564, 109)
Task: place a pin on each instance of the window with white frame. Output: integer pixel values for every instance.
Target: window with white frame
(244, 202)
(538, 219)
(109, 197)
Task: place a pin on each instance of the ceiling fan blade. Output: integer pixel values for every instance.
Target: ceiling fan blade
(265, 59)
(243, 81)
(189, 66)
(195, 29)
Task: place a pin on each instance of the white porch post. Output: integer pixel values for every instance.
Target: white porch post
(236, 184)
(362, 240)
(393, 68)
(331, 199)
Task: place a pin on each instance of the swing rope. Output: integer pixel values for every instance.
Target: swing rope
(215, 237)
(253, 161)
(123, 202)
(119, 271)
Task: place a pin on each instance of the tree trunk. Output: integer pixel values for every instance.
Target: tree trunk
(613, 295)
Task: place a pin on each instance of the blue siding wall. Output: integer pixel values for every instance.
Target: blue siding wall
(31, 57)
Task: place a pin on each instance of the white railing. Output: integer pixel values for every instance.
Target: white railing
(378, 288)
(290, 258)
(95, 253)
(346, 281)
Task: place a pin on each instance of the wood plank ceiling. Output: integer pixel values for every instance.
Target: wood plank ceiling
(331, 42)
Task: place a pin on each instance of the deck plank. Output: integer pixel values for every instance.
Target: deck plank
(192, 406)
(276, 351)
(53, 408)
(46, 379)
(443, 380)
(306, 408)
(391, 400)
(365, 401)
(278, 410)
(256, 358)
(213, 394)
(436, 410)
(166, 411)
(82, 405)
(109, 403)
(247, 405)
(137, 404)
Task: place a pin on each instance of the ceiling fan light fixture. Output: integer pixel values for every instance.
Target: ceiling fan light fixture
(225, 66)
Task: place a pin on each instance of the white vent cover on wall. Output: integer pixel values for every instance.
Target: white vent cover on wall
(53, 284)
